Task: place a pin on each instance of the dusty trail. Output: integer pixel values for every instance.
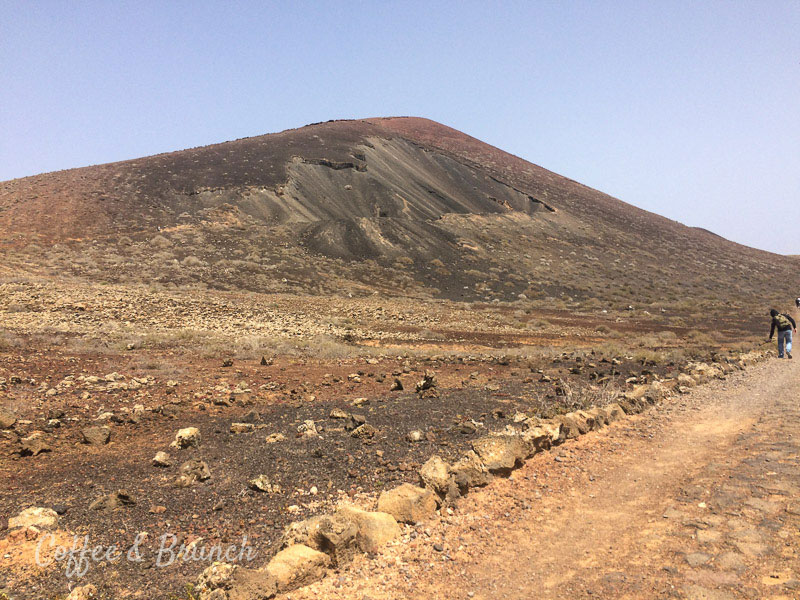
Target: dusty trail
(699, 492)
(697, 499)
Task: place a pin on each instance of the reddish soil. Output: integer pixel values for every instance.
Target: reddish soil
(473, 396)
(697, 500)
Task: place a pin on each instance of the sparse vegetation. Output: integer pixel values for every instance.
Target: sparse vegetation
(164, 318)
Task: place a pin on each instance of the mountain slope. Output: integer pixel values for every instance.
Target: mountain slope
(401, 206)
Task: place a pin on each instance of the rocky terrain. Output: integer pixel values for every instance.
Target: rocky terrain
(250, 344)
(321, 403)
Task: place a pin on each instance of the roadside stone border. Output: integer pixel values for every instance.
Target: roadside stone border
(312, 546)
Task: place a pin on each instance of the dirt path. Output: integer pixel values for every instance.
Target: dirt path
(698, 499)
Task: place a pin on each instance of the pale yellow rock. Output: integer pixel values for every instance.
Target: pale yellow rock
(435, 474)
(84, 592)
(375, 529)
(41, 518)
(187, 437)
(297, 566)
(224, 581)
(501, 452)
(408, 503)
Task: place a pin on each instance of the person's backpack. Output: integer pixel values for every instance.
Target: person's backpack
(783, 322)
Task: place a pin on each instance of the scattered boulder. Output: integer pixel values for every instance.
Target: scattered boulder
(265, 362)
(297, 566)
(237, 428)
(112, 501)
(614, 412)
(192, 471)
(7, 419)
(186, 438)
(428, 382)
(580, 423)
(542, 436)
(408, 503)
(223, 581)
(365, 431)
(274, 438)
(35, 516)
(34, 444)
(354, 422)
(96, 436)
(469, 472)
(592, 424)
(599, 414)
(84, 592)
(338, 413)
(263, 484)
(375, 529)
(568, 425)
(338, 539)
(435, 475)
(631, 406)
(415, 436)
(686, 380)
(304, 532)
(501, 453)
(162, 459)
(308, 429)
(397, 385)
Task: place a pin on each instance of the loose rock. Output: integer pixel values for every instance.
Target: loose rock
(365, 431)
(84, 592)
(338, 539)
(469, 472)
(41, 518)
(186, 438)
(263, 484)
(375, 529)
(501, 453)
(7, 419)
(242, 428)
(192, 471)
(223, 581)
(297, 566)
(34, 444)
(415, 436)
(435, 475)
(96, 436)
(162, 459)
(112, 501)
(408, 503)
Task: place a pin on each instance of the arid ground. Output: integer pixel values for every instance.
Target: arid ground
(160, 365)
(699, 499)
(324, 310)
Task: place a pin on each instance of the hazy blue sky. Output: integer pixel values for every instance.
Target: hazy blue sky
(687, 109)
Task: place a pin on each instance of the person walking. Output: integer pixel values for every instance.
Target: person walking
(785, 326)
